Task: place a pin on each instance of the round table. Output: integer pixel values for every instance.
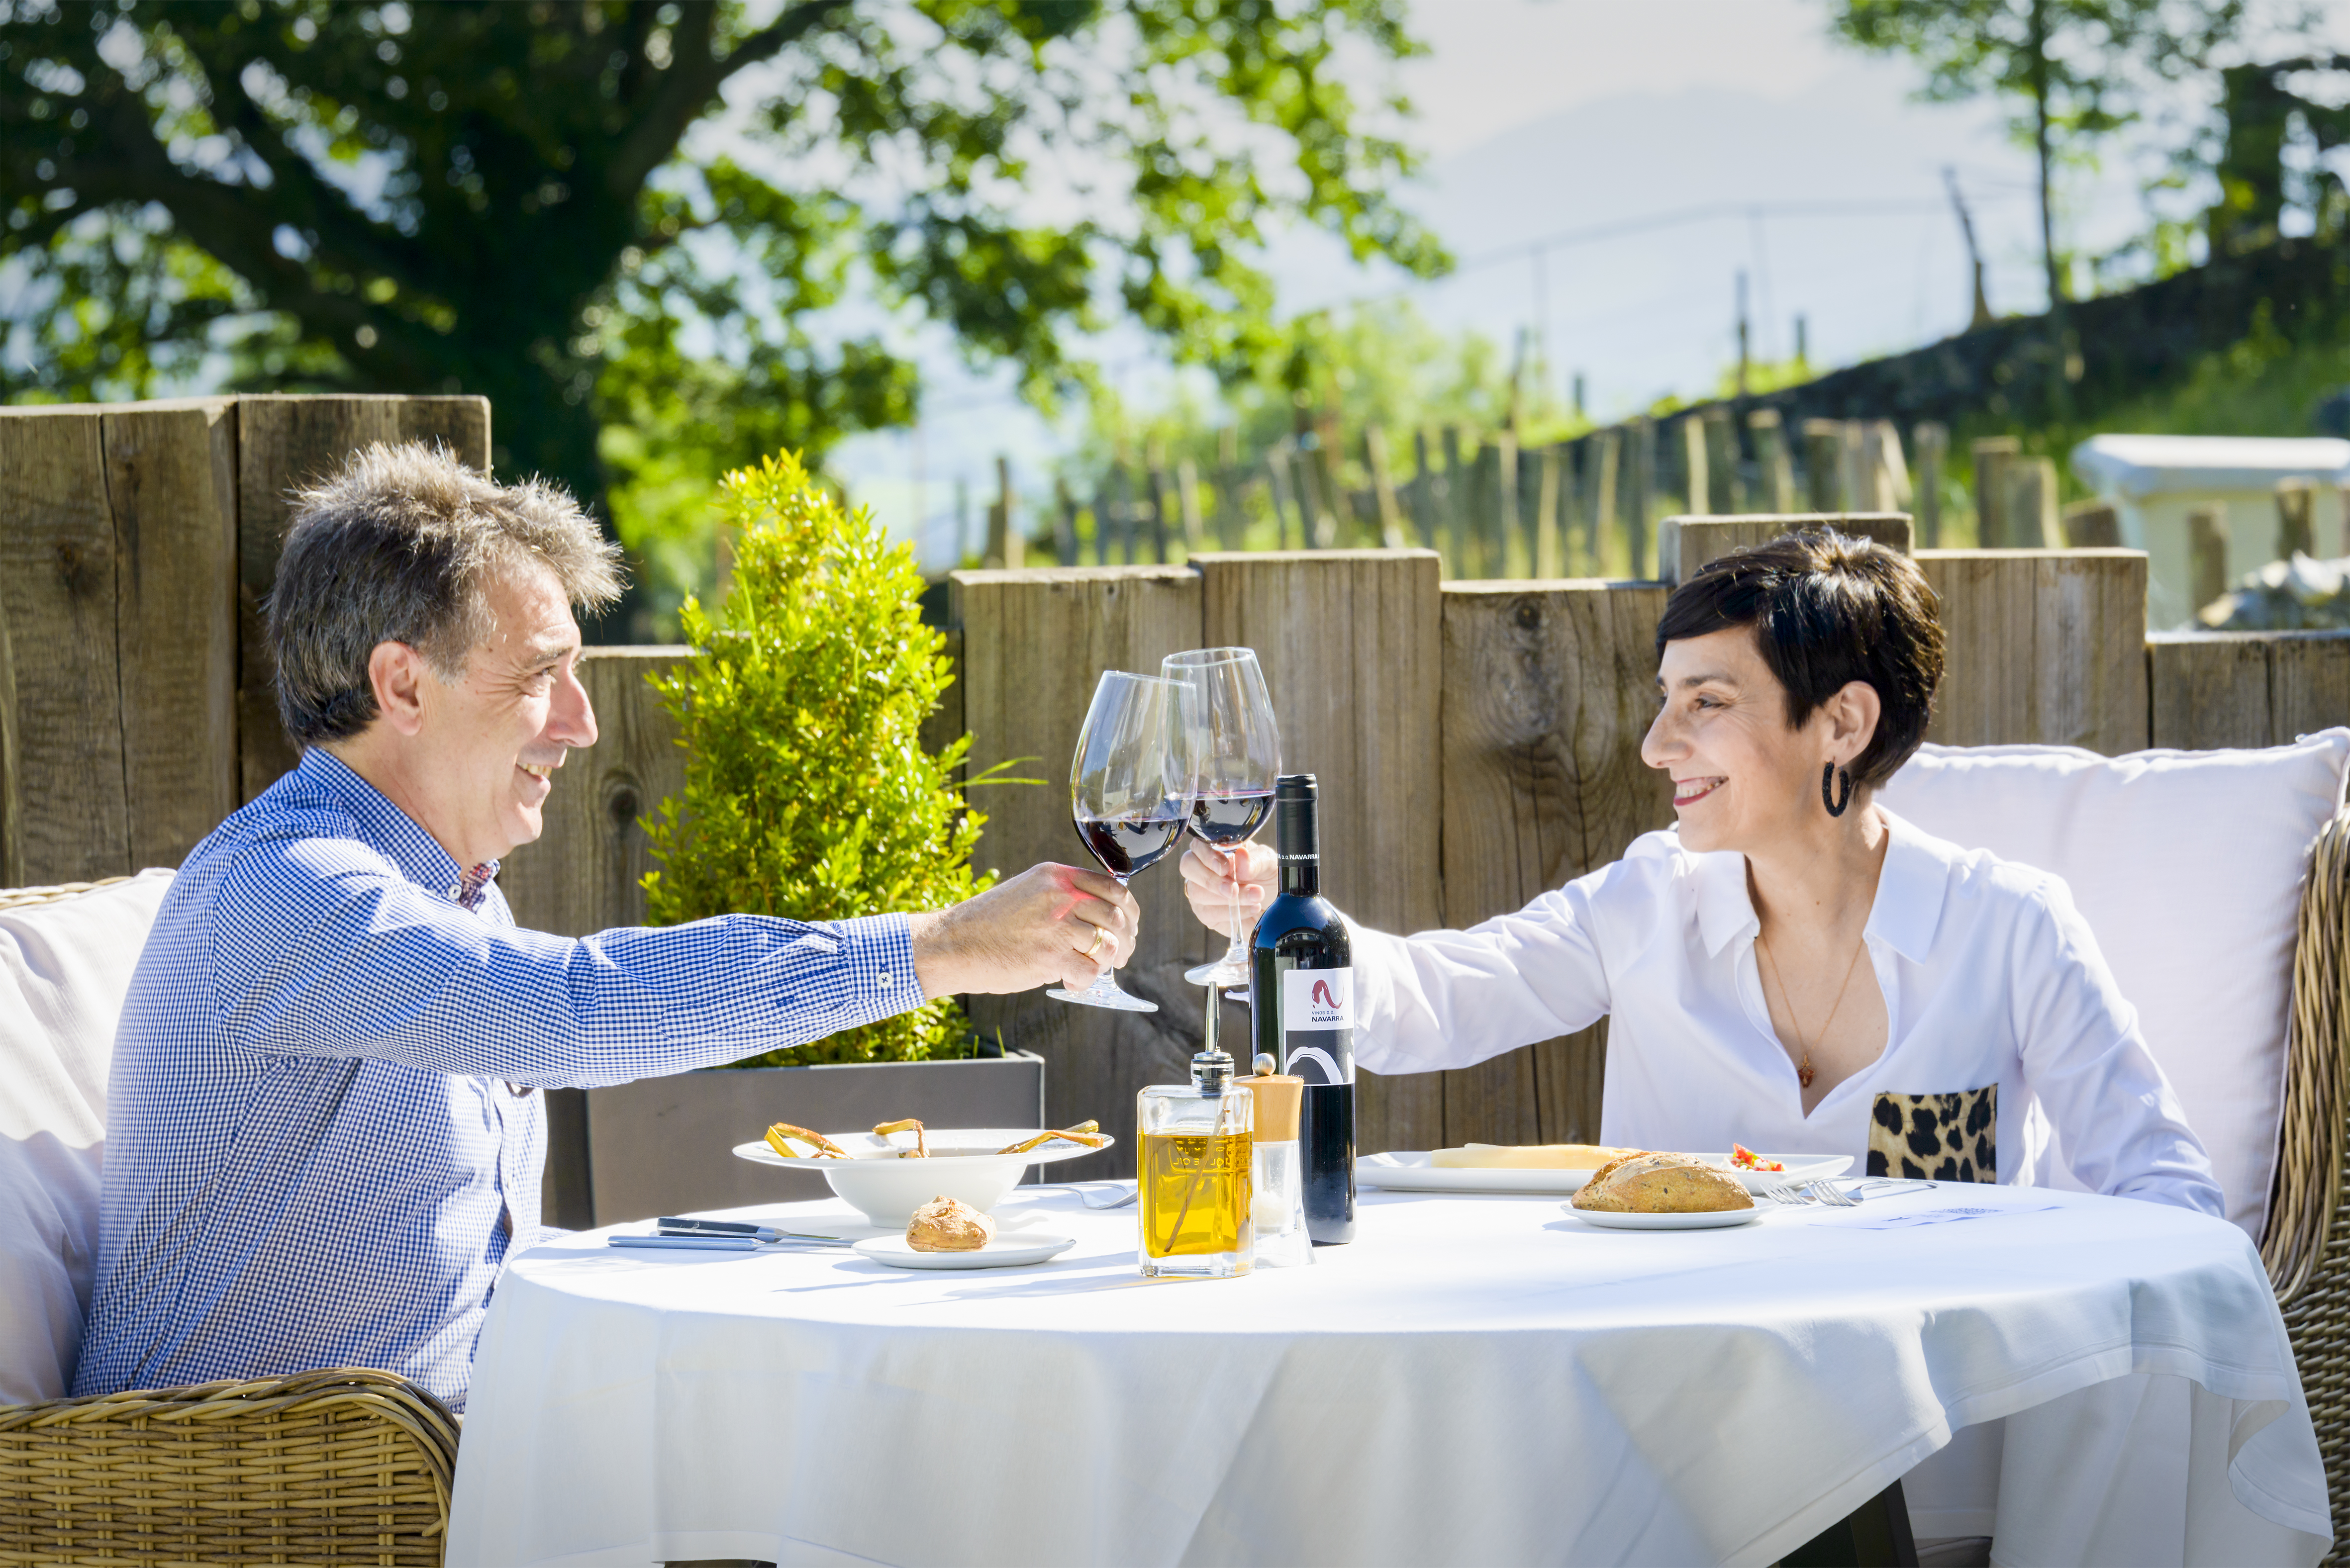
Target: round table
(1475, 1380)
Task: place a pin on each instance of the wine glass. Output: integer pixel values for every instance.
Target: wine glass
(1131, 787)
(1237, 751)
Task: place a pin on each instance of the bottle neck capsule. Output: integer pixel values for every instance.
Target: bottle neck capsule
(1297, 839)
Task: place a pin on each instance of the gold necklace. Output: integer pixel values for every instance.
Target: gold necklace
(1803, 1073)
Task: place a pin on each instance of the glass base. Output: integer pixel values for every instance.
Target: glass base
(1223, 972)
(1104, 993)
(1197, 1266)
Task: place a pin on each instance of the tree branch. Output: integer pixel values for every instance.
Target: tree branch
(688, 85)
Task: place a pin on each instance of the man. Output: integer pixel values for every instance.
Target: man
(325, 1129)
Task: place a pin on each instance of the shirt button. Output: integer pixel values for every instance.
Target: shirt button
(456, 891)
(885, 979)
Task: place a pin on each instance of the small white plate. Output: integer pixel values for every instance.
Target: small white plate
(1411, 1172)
(1003, 1252)
(1607, 1220)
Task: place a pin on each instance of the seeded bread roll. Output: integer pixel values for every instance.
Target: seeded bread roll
(948, 1225)
(1662, 1184)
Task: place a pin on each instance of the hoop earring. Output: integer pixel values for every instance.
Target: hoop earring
(1842, 778)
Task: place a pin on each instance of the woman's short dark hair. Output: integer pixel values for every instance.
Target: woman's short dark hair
(1828, 609)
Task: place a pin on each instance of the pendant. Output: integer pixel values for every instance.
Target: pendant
(1803, 1074)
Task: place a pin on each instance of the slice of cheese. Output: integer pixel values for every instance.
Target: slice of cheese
(1526, 1156)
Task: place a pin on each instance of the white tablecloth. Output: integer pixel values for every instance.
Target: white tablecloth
(1476, 1380)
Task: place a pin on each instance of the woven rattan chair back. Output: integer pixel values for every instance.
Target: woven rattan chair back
(342, 1467)
(2307, 1246)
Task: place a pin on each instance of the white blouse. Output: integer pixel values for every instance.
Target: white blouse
(1989, 973)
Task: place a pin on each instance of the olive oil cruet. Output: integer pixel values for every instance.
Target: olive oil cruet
(1196, 1157)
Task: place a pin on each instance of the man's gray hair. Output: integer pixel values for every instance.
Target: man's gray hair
(401, 546)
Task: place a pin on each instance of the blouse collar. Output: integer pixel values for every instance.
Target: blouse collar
(1911, 888)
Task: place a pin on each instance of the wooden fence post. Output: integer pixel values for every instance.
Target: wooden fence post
(1427, 493)
(2210, 689)
(1545, 699)
(1504, 528)
(1457, 488)
(1549, 543)
(2296, 501)
(1824, 464)
(1375, 458)
(1600, 515)
(2041, 646)
(1889, 472)
(2032, 514)
(1995, 458)
(1033, 645)
(1156, 475)
(2207, 554)
(1642, 488)
(1778, 474)
(1932, 440)
(1360, 711)
(1065, 524)
(1276, 477)
(1722, 484)
(1684, 545)
(1698, 500)
(2092, 526)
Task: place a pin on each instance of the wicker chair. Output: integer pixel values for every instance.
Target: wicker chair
(344, 1467)
(2307, 1244)
(348, 1466)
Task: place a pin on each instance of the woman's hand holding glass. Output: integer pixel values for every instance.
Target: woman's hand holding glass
(1236, 749)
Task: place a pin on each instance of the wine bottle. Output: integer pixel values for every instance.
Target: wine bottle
(1302, 1010)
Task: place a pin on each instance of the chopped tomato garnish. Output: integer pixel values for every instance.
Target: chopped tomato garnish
(1744, 1159)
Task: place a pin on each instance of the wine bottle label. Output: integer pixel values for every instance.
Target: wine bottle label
(1317, 998)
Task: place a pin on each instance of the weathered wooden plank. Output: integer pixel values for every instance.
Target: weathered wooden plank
(2208, 691)
(284, 443)
(1352, 646)
(2309, 683)
(2041, 646)
(64, 804)
(171, 486)
(584, 873)
(1034, 644)
(1546, 696)
(1686, 544)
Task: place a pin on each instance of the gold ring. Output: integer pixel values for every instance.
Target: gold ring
(1099, 933)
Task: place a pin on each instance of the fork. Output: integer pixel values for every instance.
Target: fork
(1788, 1193)
(1086, 1193)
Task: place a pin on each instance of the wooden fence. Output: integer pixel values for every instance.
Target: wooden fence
(1478, 741)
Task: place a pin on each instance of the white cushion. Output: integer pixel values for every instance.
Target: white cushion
(2188, 866)
(64, 969)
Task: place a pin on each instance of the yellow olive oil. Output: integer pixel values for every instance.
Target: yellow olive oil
(1195, 1193)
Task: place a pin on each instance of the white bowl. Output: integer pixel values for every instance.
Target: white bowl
(886, 1187)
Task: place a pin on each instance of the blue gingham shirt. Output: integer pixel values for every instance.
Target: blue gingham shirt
(324, 1126)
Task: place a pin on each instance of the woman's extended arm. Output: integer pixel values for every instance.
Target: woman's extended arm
(1449, 998)
(2118, 1124)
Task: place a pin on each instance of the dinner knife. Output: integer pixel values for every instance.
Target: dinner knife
(676, 1226)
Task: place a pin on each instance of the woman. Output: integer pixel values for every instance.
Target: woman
(1793, 967)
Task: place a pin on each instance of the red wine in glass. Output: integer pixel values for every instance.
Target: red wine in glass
(1125, 845)
(1230, 817)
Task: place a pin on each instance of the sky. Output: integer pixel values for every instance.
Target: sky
(1662, 147)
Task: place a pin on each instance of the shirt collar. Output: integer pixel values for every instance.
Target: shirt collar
(1910, 888)
(391, 830)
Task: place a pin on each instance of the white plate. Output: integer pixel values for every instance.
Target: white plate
(1605, 1220)
(1411, 1172)
(1003, 1252)
(980, 1145)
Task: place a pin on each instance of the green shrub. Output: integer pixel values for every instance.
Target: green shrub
(807, 793)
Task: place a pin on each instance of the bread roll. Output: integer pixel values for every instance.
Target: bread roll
(1662, 1184)
(1526, 1156)
(948, 1225)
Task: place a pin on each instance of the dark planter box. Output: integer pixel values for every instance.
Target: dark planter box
(663, 1146)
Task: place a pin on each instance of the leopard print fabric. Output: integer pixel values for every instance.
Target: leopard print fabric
(1941, 1138)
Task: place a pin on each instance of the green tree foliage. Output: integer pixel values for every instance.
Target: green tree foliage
(629, 211)
(807, 793)
(2077, 67)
